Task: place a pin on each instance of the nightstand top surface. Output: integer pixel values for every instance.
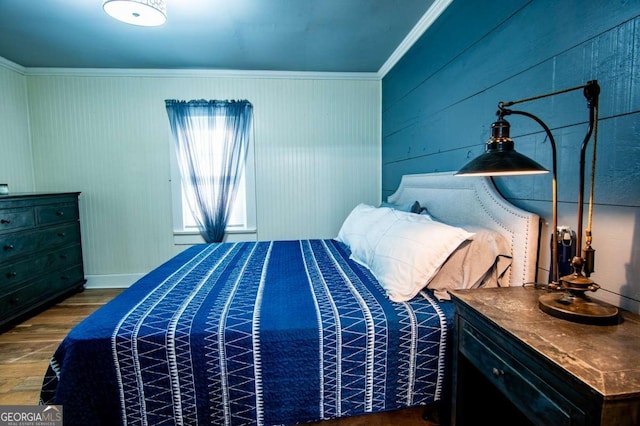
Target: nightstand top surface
(606, 358)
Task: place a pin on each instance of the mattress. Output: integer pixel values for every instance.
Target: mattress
(273, 332)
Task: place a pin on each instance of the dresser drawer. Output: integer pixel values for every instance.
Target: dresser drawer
(16, 219)
(25, 269)
(59, 236)
(18, 299)
(19, 244)
(49, 215)
(62, 280)
(40, 291)
(527, 391)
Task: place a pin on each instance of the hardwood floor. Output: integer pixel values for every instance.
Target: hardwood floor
(26, 348)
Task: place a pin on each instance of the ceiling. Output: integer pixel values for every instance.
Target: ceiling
(265, 35)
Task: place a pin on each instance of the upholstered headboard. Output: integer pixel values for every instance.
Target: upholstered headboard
(476, 201)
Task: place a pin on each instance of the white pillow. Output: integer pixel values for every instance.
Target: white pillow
(403, 250)
(356, 228)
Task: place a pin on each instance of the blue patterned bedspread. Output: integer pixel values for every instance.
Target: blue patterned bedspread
(250, 333)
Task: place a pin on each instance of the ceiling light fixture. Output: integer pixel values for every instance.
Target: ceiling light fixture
(146, 13)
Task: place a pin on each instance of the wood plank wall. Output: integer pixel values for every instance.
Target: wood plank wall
(440, 99)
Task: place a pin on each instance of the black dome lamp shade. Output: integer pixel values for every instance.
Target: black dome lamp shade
(500, 158)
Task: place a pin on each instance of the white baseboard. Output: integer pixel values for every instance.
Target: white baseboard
(112, 280)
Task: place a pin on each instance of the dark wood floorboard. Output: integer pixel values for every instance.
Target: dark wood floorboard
(26, 348)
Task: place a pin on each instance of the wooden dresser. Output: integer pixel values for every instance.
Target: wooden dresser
(40, 252)
(514, 364)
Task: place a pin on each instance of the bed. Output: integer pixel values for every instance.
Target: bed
(286, 332)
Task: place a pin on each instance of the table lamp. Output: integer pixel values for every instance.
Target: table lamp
(567, 296)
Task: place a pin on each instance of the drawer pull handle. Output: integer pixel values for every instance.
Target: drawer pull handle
(4, 221)
(11, 274)
(15, 300)
(64, 278)
(61, 234)
(63, 256)
(497, 372)
(8, 247)
(60, 213)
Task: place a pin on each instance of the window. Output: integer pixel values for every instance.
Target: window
(237, 220)
(242, 221)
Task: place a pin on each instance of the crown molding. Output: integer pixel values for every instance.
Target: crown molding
(430, 16)
(5, 63)
(177, 73)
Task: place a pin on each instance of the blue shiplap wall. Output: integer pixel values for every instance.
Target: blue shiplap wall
(440, 99)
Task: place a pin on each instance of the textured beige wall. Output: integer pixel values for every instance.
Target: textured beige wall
(16, 165)
(106, 134)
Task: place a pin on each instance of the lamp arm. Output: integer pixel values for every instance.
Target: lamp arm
(593, 177)
(583, 151)
(546, 95)
(554, 247)
(592, 94)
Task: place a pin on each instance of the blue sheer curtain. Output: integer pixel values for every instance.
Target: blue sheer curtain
(211, 140)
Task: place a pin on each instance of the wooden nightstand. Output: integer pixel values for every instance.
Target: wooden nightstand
(514, 364)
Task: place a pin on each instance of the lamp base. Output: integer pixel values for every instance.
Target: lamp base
(578, 308)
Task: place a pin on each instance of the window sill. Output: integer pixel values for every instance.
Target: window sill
(231, 235)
